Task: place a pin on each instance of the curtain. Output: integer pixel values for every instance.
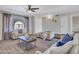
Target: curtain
(6, 26)
(27, 23)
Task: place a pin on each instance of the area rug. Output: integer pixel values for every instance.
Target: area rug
(26, 46)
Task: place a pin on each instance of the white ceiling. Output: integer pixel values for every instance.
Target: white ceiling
(43, 9)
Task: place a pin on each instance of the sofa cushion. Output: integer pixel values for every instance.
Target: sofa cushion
(62, 49)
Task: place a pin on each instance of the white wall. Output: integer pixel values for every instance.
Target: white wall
(31, 24)
(1, 24)
(69, 22)
(65, 24)
(47, 24)
(38, 24)
(51, 24)
(62, 24)
(75, 22)
(56, 25)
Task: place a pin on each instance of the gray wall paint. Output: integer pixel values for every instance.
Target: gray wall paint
(65, 24)
(18, 18)
(47, 24)
(38, 24)
(35, 24)
(1, 25)
(75, 23)
(50, 24)
(31, 24)
(62, 24)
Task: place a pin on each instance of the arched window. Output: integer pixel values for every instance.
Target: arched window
(18, 25)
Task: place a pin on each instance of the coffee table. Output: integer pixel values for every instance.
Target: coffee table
(27, 43)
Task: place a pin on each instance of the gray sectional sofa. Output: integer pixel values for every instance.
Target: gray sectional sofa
(71, 47)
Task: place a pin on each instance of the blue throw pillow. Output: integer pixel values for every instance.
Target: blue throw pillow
(66, 38)
(59, 44)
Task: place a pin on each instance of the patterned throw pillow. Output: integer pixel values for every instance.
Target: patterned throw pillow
(51, 35)
(47, 35)
(44, 35)
(26, 35)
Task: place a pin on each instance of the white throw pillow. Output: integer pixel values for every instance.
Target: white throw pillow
(43, 36)
(62, 49)
(52, 35)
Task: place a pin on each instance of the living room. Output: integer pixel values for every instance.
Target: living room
(52, 21)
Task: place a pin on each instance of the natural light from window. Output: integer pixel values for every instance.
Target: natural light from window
(18, 25)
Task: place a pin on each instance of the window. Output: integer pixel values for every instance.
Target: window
(18, 25)
(75, 23)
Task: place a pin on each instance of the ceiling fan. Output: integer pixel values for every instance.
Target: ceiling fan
(30, 9)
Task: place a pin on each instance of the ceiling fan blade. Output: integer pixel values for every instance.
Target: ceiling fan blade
(30, 10)
(34, 8)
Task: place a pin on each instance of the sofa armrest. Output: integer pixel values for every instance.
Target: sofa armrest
(74, 50)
